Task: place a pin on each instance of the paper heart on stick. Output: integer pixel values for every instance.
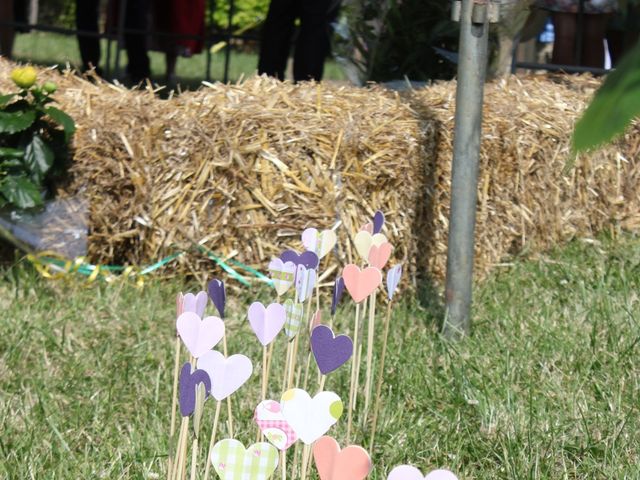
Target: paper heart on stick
(195, 303)
(179, 304)
(227, 374)
(310, 417)
(364, 241)
(330, 351)
(367, 227)
(283, 275)
(232, 461)
(316, 320)
(333, 463)
(308, 259)
(378, 221)
(361, 283)
(217, 294)
(266, 322)
(187, 384)
(338, 290)
(393, 279)
(379, 255)
(407, 472)
(268, 416)
(199, 336)
(319, 243)
(294, 313)
(305, 282)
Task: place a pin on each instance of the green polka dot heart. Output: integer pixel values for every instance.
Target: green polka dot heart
(232, 461)
(310, 417)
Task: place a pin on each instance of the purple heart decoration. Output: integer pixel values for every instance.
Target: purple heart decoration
(217, 295)
(338, 290)
(187, 385)
(330, 352)
(308, 259)
(378, 222)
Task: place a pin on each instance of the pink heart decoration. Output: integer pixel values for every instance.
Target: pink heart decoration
(268, 416)
(367, 227)
(350, 463)
(316, 319)
(266, 322)
(407, 472)
(179, 304)
(361, 283)
(379, 255)
(227, 374)
(199, 336)
(195, 303)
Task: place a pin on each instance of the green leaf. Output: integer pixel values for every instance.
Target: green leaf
(12, 122)
(6, 152)
(4, 99)
(63, 119)
(38, 158)
(21, 192)
(613, 107)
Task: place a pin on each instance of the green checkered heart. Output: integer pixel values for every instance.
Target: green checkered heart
(294, 313)
(233, 462)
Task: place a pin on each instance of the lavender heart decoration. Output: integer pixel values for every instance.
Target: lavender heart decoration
(338, 290)
(217, 295)
(266, 322)
(330, 351)
(305, 281)
(308, 259)
(187, 387)
(378, 222)
(393, 279)
(195, 303)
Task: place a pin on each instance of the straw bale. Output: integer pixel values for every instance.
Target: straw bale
(243, 169)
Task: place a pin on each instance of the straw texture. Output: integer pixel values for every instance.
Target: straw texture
(243, 169)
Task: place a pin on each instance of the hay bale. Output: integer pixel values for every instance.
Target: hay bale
(245, 168)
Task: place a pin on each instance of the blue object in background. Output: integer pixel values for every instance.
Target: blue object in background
(547, 35)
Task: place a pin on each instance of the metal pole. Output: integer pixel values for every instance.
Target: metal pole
(227, 52)
(472, 67)
(207, 44)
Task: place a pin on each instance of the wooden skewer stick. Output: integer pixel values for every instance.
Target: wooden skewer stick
(283, 462)
(354, 362)
(376, 407)
(194, 458)
(174, 404)
(212, 440)
(370, 340)
(174, 471)
(305, 460)
(229, 411)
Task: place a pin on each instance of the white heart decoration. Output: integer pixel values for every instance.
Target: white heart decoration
(319, 243)
(199, 336)
(364, 241)
(310, 417)
(227, 374)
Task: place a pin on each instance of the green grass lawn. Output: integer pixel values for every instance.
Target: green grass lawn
(546, 387)
(55, 49)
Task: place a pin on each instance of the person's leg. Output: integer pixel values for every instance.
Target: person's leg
(314, 39)
(276, 38)
(6, 33)
(137, 13)
(595, 28)
(564, 26)
(87, 14)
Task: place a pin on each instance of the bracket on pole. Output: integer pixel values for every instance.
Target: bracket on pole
(482, 9)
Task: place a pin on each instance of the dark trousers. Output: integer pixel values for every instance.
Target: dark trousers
(87, 12)
(137, 18)
(312, 44)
